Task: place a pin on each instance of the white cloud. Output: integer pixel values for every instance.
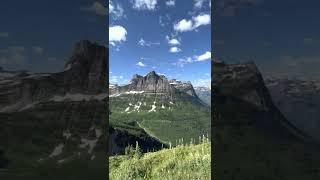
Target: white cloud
(189, 25)
(37, 49)
(174, 49)
(161, 21)
(187, 60)
(13, 55)
(183, 25)
(142, 42)
(117, 34)
(204, 57)
(4, 34)
(115, 10)
(182, 61)
(170, 3)
(173, 41)
(97, 8)
(164, 20)
(199, 3)
(140, 64)
(201, 20)
(144, 4)
(117, 80)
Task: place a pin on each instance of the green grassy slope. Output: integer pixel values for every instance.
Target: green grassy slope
(182, 162)
(169, 122)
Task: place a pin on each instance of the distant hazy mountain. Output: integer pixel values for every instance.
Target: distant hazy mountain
(299, 101)
(204, 93)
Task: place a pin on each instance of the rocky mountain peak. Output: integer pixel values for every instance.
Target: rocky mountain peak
(152, 74)
(136, 76)
(86, 70)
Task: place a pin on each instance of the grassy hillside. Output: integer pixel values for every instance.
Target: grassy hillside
(182, 162)
(167, 121)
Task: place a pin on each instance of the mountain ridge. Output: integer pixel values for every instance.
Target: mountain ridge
(157, 84)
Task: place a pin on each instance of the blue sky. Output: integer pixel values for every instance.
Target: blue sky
(39, 36)
(281, 37)
(172, 37)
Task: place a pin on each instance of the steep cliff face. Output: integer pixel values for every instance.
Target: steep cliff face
(241, 97)
(252, 138)
(151, 83)
(86, 70)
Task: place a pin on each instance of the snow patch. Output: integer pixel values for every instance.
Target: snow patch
(29, 106)
(37, 76)
(272, 84)
(61, 161)
(153, 109)
(57, 150)
(88, 142)
(115, 95)
(98, 132)
(6, 81)
(79, 97)
(68, 67)
(127, 109)
(171, 102)
(162, 106)
(66, 134)
(5, 74)
(134, 92)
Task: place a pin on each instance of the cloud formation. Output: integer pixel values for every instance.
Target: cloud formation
(204, 57)
(117, 34)
(189, 25)
(4, 34)
(37, 49)
(173, 41)
(201, 20)
(170, 3)
(142, 42)
(199, 3)
(144, 4)
(97, 8)
(231, 7)
(183, 61)
(183, 25)
(140, 64)
(13, 55)
(115, 10)
(174, 49)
